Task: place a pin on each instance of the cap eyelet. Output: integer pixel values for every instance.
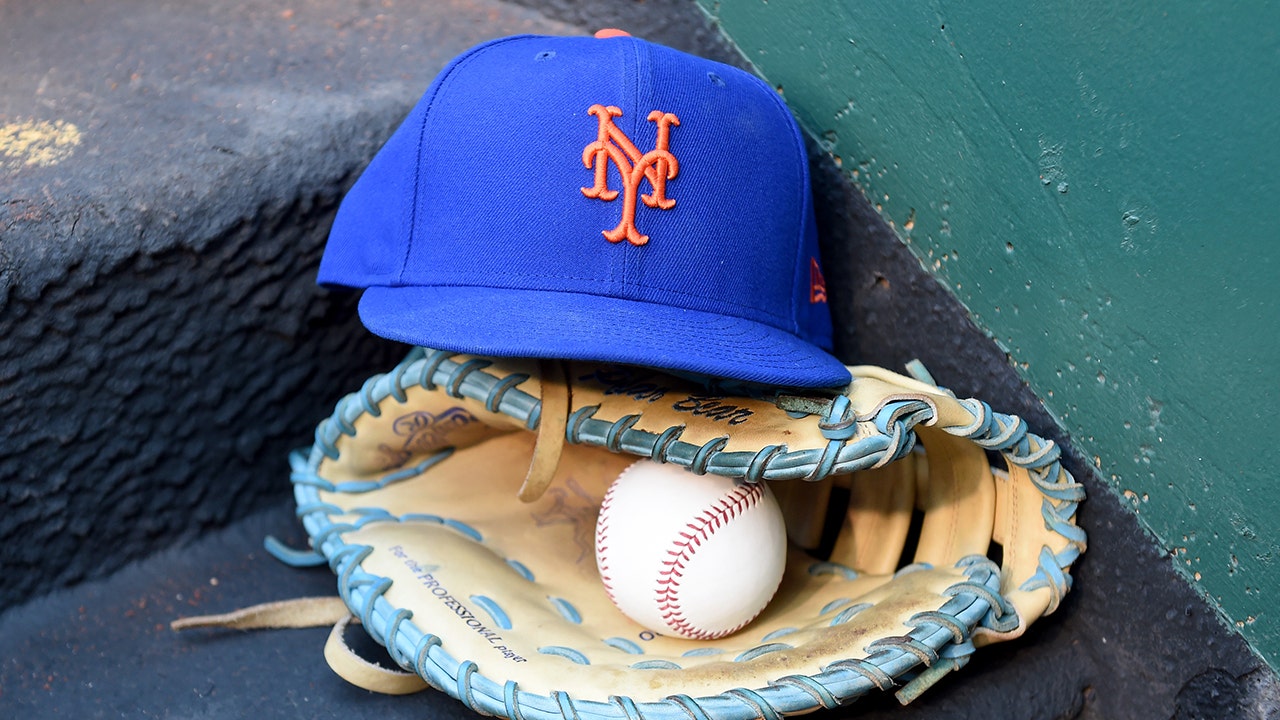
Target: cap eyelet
(544, 55)
(715, 79)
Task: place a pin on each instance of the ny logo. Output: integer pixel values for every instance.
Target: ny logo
(657, 166)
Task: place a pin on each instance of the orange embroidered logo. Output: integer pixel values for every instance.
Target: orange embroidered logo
(657, 166)
(817, 283)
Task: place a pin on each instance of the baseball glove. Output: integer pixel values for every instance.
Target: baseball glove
(456, 498)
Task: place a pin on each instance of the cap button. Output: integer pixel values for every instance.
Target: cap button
(611, 33)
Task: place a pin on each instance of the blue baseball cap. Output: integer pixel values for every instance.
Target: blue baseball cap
(604, 199)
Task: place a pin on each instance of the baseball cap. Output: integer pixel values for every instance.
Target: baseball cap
(604, 199)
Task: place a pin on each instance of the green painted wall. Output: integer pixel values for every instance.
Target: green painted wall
(1099, 186)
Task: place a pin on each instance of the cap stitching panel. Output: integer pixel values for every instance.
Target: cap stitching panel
(806, 195)
(806, 210)
(630, 254)
(798, 146)
(427, 118)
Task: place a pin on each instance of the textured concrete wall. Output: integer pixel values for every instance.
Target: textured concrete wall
(167, 180)
(150, 399)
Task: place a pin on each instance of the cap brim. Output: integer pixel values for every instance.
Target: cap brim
(574, 326)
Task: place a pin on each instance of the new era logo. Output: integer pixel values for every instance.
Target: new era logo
(657, 166)
(817, 283)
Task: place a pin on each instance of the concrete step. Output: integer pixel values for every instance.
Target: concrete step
(168, 175)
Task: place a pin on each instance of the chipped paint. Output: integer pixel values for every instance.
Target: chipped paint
(37, 143)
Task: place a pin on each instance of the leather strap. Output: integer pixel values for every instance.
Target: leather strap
(295, 613)
(315, 612)
(556, 397)
(363, 674)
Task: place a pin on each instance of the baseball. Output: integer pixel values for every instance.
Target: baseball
(697, 556)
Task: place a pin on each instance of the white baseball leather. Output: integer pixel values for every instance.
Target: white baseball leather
(698, 556)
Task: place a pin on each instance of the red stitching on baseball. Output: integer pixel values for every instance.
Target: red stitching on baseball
(741, 499)
(602, 536)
